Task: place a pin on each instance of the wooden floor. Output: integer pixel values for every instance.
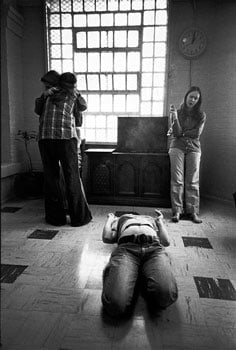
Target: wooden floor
(51, 284)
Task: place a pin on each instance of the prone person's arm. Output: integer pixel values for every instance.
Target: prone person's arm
(162, 233)
(109, 234)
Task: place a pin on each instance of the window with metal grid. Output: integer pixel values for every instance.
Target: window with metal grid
(117, 49)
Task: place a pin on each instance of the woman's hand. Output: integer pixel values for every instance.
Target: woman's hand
(50, 91)
(173, 113)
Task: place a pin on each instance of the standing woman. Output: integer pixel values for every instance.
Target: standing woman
(185, 154)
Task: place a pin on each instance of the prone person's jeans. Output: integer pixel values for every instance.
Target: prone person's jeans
(129, 263)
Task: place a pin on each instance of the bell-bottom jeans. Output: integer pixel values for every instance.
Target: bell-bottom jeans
(184, 168)
(131, 265)
(64, 152)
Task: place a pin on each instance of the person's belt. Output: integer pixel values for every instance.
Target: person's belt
(139, 239)
(137, 224)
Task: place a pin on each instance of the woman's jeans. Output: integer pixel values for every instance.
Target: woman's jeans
(129, 263)
(184, 168)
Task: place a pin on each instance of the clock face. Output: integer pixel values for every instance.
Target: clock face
(192, 43)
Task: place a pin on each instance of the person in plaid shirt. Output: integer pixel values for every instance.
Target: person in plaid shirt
(59, 109)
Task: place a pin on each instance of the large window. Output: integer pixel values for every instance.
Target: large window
(117, 49)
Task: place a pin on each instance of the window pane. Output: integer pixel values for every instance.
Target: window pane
(134, 19)
(81, 40)
(160, 49)
(158, 79)
(133, 38)
(148, 33)
(77, 5)
(148, 17)
(106, 61)
(55, 21)
(147, 65)
(146, 108)
(81, 82)
(67, 51)
(90, 135)
(125, 5)
(161, 17)
(112, 135)
(80, 20)
(65, 6)
(93, 20)
(66, 36)
(89, 5)
(107, 39)
(93, 62)
(120, 19)
(93, 103)
(149, 4)
(113, 5)
(132, 103)
(80, 61)
(148, 50)
(90, 121)
(101, 5)
(106, 82)
(56, 65)
(93, 82)
(66, 20)
(106, 103)
(93, 39)
(100, 121)
(107, 19)
(146, 94)
(146, 79)
(157, 108)
(56, 51)
(161, 4)
(120, 38)
(67, 66)
(100, 135)
(119, 82)
(161, 33)
(54, 6)
(159, 65)
(132, 83)
(120, 62)
(55, 36)
(119, 103)
(158, 94)
(112, 121)
(133, 61)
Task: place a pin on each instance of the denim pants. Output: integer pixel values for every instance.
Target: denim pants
(129, 263)
(184, 167)
(64, 152)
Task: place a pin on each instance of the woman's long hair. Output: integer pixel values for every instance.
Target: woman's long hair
(197, 108)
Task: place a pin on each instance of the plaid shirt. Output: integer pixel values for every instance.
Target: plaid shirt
(57, 120)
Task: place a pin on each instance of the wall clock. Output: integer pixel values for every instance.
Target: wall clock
(192, 43)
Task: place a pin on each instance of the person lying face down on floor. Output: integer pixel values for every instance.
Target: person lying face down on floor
(139, 260)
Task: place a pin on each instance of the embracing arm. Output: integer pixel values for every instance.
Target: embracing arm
(109, 234)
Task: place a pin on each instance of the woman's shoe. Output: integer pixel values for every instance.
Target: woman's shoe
(196, 219)
(175, 217)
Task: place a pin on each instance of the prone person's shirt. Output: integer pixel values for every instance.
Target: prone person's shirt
(130, 224)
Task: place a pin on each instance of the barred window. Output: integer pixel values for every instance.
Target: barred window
(117, 49)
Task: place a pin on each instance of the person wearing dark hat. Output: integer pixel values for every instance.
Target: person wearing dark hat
(50, 81)
(58, 145)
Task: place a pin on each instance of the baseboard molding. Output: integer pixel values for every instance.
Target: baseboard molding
(224, 201)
